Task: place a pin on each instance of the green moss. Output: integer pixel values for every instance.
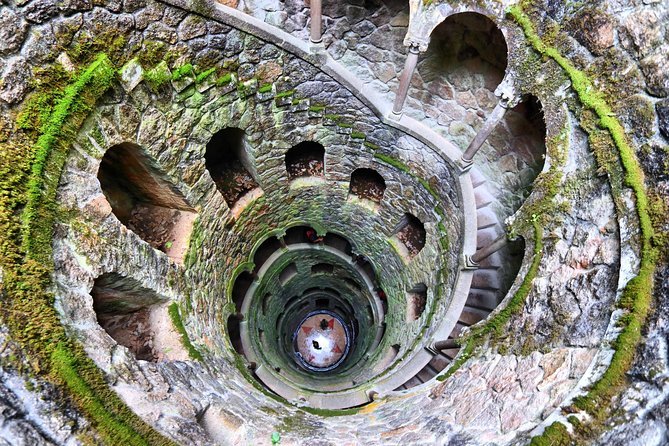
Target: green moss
(158, 76)
(332, 117)
(371, 145)
(37, 218)
(112, 428)
(554, 435)
(183, 71)
(224, 80)
(358, 135)
(175, 316)
(316, 108)
(637, 295)
(27, 214)
(284, 94)
(204, 75)
(266, 88)
(397, 164)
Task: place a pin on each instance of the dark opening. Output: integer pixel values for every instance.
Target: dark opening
(123, 307)
(338, 242)
(227, 161)
(144, 201)
(305, 159)
(322, 268)
(288, 273)
(411, 234)
(265, 250)
(368, 184)
(467, 51)
(239, 289)
(234, 333)
(322, 303)
(296, 234)
(416, 300)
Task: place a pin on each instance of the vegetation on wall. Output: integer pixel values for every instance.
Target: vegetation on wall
(33, 159)
(637, 295)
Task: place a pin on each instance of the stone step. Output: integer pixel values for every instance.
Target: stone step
(485, 217)
(482, 197)
(450, 353)
(439, 362)
(477, 177)
(486, 279)
(485, 237)
(484, 299)
(470, 316)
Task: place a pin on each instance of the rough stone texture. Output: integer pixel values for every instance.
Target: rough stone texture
(494, 398)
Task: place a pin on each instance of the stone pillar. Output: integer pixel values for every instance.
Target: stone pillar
(472, 262)
(405, 79)
(316, 21)
(467, 158)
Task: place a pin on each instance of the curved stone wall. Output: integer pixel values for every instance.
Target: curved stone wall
(178, 298)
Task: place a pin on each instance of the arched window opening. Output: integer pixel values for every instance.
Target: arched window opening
(467, 55)
(411, 233)
(307, 159)
(265, 251)
(288, 273)
(338, 242)
(367, 184)
(322, 268)
(234, 333)
(228, 162)
(524, 147)
(240, 288)
(123, 309)
(145, 201)
(416, 300)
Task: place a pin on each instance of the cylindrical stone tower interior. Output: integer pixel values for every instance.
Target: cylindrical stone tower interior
(336, 223)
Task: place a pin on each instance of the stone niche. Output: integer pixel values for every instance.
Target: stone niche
(145, 201)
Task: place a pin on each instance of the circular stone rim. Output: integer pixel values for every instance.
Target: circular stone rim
(298, 356)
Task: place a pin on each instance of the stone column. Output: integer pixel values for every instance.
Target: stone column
(467, 158)
(472, 262)
(405, 79)
(316, 21)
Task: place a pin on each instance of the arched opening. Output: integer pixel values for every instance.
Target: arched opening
(145, 201)
(240, 288)
(338, 242)
(322, 268)
(416, 301)
(227, 160)
(234, 333)
(520, 143)
(467, 55)
(265, 251)
(367, 184)
(411, 234)
(288, 273)
(123, 309)
(307, 159)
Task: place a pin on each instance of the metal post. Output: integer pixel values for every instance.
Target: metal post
(405, 79)
(316, 21)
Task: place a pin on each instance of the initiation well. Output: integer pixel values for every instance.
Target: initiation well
(376, 222)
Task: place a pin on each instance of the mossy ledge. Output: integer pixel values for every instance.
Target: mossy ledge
(27, 216)
(636, 298)
(175, 316)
